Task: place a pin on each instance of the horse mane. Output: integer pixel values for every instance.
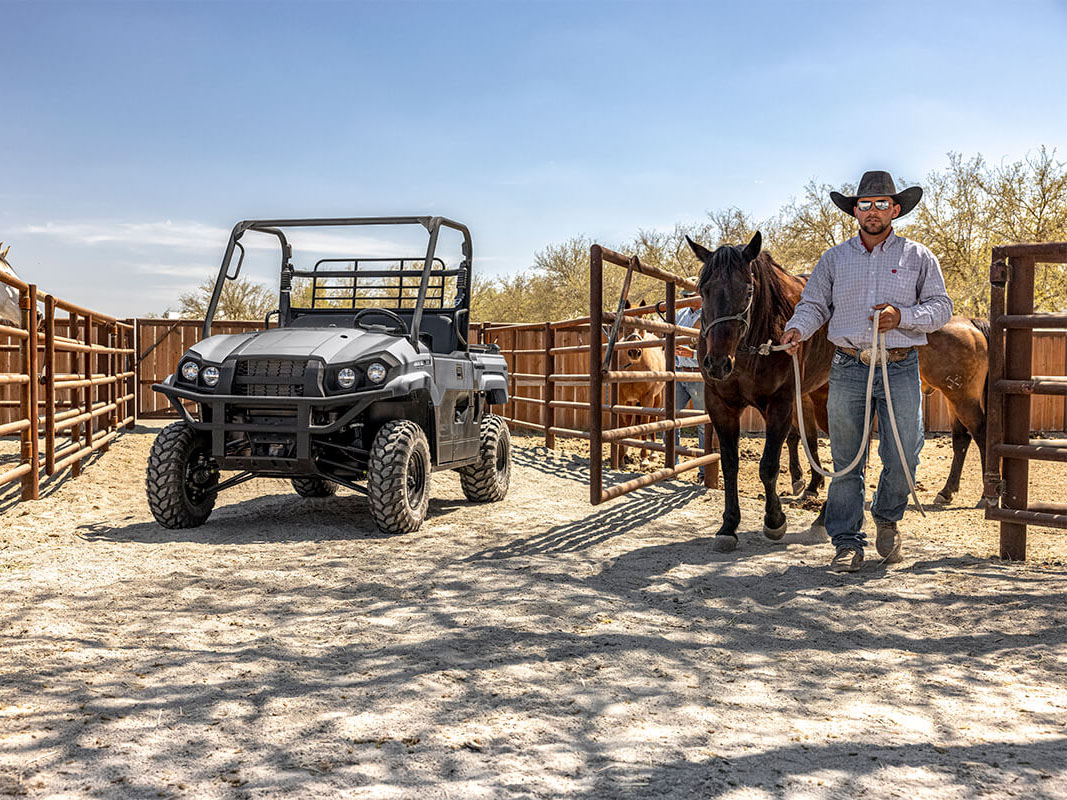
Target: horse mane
(772, 305)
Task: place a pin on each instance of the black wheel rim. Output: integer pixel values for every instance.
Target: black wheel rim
(501, 456)
(415, 483)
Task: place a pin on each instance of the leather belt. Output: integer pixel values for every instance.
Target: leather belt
(893, 354)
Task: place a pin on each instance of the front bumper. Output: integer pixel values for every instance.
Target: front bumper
(294, 419)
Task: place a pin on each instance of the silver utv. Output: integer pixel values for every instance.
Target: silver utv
(367, 380)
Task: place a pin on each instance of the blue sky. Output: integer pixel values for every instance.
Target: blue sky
(133, 135)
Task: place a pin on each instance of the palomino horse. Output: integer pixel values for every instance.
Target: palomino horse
(647, 394)
(9, 295)
(746, 300)
(955, 361)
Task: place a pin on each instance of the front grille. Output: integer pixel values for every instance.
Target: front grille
(262, 377)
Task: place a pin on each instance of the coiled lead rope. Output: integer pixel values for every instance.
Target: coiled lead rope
(878, 351)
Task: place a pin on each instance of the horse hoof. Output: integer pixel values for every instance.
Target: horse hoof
(724, 543)
(798, 486)
(808, 495)
(987, 502)
(819, 530)
(941, 500)
(774, 534)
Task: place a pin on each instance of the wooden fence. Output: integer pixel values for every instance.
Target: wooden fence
(523, 347)
(160, 343)
(66, 386)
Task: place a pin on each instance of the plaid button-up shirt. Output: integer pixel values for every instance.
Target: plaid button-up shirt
(848, 281)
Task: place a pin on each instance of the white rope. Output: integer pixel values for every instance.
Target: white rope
(878, 354)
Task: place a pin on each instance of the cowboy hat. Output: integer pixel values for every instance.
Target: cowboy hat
(879, 184)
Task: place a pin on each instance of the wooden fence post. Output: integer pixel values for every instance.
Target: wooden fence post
(549, 416)
(30, 446)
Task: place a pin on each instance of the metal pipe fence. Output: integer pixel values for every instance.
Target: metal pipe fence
(71, 371)
(559, 368)
(1012, 385)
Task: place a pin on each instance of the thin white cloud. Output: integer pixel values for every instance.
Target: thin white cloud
(178, 270)
(190, 235)
(167, 234)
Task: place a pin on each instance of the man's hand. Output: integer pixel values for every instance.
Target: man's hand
(889, 319)
(792, 338)
(685, 352)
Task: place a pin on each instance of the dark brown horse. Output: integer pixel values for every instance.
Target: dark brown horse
(746, 300)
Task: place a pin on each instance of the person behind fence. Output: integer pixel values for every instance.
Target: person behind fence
(877, 270)
(685, 361)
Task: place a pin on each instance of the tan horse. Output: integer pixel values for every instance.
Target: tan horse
(9, 295)
(643, 394)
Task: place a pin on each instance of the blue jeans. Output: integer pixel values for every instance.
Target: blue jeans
(683, 393)
(845, 407)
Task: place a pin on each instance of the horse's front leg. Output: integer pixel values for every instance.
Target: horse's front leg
(727, 422)
(796, 472)
(779, 420)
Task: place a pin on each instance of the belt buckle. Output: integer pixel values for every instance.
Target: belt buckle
(865, 356)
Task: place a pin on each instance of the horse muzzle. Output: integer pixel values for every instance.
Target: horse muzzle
(717, 369)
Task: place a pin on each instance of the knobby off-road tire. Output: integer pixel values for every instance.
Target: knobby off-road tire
(487, 480)
(398, 481)
(314, 486)
(181, 477)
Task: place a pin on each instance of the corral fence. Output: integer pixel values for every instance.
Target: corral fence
(523, 346)
(1013, 386)
(66, 386)
(95, 373)
(563, 384)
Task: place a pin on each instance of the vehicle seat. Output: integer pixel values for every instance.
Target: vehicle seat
(441, 333)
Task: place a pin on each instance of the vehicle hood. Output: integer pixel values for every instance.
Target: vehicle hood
(331, 345)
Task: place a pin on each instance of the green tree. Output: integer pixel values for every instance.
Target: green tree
(1028, 203)
(806, 228)
(240, 299)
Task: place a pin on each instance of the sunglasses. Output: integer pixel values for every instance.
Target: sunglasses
(881, 205)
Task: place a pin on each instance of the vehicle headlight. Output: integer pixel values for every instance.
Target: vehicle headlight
(190, 371)
(210, 375)
(346, 378)
(376, 372)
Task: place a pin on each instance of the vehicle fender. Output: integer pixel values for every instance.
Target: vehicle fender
(495, 387)
(405, 384)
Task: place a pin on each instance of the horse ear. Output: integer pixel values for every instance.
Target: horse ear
(699, 250)
(752, 248)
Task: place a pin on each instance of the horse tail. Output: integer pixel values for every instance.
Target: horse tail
(982, 324)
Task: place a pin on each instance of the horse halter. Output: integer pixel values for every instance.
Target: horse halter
(745, 317)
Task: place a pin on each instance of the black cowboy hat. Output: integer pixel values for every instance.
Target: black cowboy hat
(879, 184)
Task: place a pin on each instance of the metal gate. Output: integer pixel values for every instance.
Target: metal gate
(604, 373)
(1011, 386)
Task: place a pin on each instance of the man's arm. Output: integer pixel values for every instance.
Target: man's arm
(815, 305)
(934, 308)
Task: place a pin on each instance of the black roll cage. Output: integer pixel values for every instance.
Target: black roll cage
(274, 226)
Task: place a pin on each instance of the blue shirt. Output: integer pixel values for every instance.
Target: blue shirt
(689, 318)
(848, 281)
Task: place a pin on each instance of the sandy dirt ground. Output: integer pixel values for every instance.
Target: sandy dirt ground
(534, 648)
